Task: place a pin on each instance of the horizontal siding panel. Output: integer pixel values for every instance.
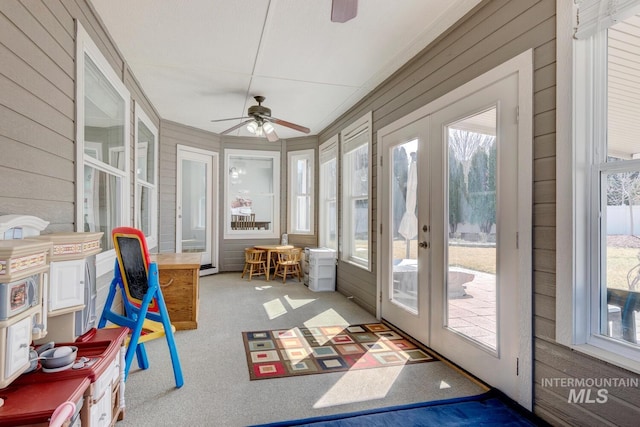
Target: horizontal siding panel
(18, 43)
(544, 214)
(544, 146)
(61, 14)
(544, 328)
(544, 260)
(571, 415)
(545, 306)
(39, 35)
(545, 283)
(19, 72)
(544, 123)
(468, 61)
(23, 102)
(573, 364)
(20, 157)
(545, 77)
(404, 84)
(544, 100)
(544, 192)
(544, 169)
(28, 185)
(59, 214)
(44, 13)
(19, 127)
(544, 238)
(544, 54)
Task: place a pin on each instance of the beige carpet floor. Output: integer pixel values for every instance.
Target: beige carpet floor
(217, 389)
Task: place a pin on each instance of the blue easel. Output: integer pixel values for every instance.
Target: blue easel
(146, 313)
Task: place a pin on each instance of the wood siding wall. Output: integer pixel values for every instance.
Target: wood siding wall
(491, 34)
(37, 162)
(37, 109)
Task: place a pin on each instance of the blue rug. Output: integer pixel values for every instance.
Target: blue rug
(487, 409)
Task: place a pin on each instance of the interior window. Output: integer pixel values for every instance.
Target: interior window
(252, 194)
(103, 143)
(300, 195)
(328, 209)
(146, 202)
(356, 141)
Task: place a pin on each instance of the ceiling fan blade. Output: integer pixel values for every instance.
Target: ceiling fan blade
(232, 118)
(238, 126)
(343, 10)
(272, 136)
(288, 124)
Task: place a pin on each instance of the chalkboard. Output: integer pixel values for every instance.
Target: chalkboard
(133, 264)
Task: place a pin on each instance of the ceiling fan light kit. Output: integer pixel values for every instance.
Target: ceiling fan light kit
(259, 122)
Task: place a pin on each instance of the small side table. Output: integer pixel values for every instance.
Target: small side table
(179, 281)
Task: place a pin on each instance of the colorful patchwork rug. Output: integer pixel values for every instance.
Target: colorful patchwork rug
(316, 350)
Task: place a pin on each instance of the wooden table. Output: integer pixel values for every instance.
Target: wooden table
(179, 282)
(272, 249)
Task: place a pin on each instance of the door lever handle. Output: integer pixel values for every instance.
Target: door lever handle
(423, 244)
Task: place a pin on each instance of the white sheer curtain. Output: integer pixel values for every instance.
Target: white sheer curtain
(594, 15)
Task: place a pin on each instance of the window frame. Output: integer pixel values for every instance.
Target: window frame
(293, 185)
(347, 135)
(274, 229)
(141, 116)
(86, 46)
(327, 152)
(580, 125)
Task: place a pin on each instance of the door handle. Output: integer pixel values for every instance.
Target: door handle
(423, 244)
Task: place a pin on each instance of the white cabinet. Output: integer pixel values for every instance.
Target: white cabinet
(17, 347)
(66, 286)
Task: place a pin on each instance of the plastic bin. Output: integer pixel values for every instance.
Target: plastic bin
(322, 284)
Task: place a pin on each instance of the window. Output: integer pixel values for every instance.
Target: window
(102, 147)
(356, 142)
(301, 170)
(328, 198)
(252, 195)
(146, 201)
(599, 296)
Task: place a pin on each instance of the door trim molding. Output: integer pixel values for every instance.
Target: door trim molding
(215, 198)
(521, 64)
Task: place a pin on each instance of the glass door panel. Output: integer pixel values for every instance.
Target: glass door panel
(194, 204)
(405, 226)
(471, 247)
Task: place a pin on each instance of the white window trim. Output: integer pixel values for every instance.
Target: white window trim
(274, 229)
(365, 122)
(141, 116)
(292, 157)
(85, 45)
(573, 293)
(327, 152)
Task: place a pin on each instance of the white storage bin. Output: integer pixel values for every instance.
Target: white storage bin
(322, 271)
(319, 284)
(311, 253)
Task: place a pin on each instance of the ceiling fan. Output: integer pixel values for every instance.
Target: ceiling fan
(259, 122)
(343, 10)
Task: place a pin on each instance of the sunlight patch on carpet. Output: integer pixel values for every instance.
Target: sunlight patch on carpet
(360, 386)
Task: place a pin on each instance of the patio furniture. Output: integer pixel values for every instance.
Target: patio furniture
(254, 262)
(243, 222)
(289, 264)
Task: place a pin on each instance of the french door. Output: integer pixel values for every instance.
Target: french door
(405, 202)
(455, 258)
(196, 205)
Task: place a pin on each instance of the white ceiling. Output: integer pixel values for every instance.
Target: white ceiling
(199, 60)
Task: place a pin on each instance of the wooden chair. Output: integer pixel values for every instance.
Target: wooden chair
(254, 262)
(289, 264)
(145, 312)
